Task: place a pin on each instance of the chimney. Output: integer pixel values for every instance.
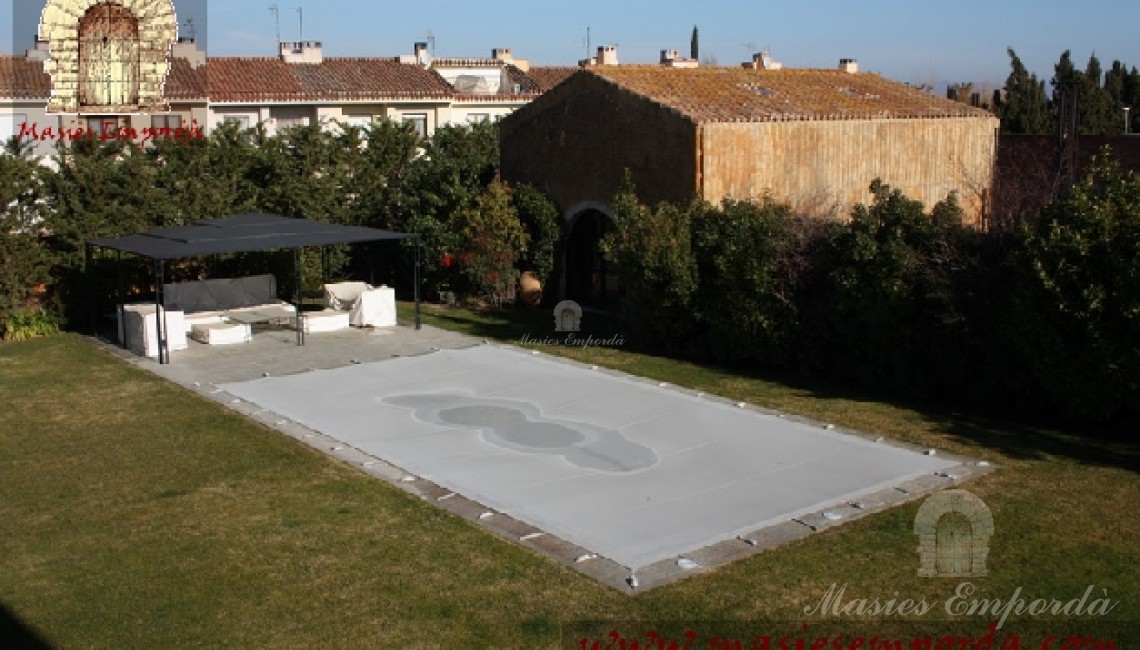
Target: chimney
(502, 54)
(301, 52)
(187, 48)
(40, 52)
(763, 61)
(607, 55)
(850, 66)
(419, 55)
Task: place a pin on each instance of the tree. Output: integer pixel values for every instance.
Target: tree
(746, 305)
(1098, 115)
(1025, 108)
(379, 182)
(882, 310)
(694, 45)
(539, 217)
(491, 241)
(102, 188)
(25, 262)
(656, 267)
(1083, 261)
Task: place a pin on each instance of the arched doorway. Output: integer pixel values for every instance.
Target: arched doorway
(108, 57)
(590, 279)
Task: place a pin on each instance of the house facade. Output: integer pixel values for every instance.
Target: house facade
(300, 86)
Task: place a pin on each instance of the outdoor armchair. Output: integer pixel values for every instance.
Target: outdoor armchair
(367, 306)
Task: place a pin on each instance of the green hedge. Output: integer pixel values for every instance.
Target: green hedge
(901, 300)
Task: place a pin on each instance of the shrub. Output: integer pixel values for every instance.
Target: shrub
(492, 240)
(28, 323)
(746, 255)
(25, 261)
(1080, 324)
(657, 270)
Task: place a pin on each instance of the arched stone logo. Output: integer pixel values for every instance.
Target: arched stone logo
(954, 528)
(108, 56)
(567, 316)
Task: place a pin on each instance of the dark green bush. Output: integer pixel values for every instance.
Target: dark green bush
(746, 256)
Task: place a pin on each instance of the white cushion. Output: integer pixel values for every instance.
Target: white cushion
(325, 321)
(202, 318)
(220, 333)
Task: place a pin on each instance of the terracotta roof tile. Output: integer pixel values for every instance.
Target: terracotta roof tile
(21, 78)
(184, 81)
(234, 79)
(239, 79)
(354, 78)
(547, 77)
(748, 95)
(517, 78)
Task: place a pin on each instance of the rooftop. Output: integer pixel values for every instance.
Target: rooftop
(261, 79)
(239, 79)
(23, 78)
(749, 95)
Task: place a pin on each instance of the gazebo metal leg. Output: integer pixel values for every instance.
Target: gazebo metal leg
(417, 284)
(122, 299)
(297, 305)
(159, 316)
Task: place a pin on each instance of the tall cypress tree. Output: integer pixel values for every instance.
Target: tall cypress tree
(1097, 114)
(1114, 87)
(1025, 108)
(694, 45)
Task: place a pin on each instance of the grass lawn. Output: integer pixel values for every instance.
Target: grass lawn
(134, 514)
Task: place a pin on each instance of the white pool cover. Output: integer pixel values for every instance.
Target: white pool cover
(628, 469)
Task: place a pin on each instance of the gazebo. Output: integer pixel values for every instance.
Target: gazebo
(238, 234)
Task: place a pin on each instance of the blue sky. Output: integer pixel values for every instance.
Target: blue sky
(908, 40)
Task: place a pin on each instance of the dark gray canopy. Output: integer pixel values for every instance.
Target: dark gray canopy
(242, 233)
(238, 234)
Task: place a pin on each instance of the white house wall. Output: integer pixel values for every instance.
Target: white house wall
(436, 114)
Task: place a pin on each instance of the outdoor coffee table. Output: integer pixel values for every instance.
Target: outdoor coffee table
(267, 315)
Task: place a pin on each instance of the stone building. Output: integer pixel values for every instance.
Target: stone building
(813, 138)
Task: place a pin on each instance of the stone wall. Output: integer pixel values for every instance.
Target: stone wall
(825, 167)
(576, 141)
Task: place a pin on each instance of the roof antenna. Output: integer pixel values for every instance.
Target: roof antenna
(300, 25)
(276, 20)
(190, 29)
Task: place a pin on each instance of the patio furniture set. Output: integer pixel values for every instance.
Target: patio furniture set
(224, 311)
